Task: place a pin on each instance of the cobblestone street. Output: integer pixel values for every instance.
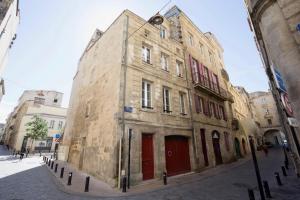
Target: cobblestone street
(28, 179)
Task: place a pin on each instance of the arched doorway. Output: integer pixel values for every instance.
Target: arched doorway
(177, 155)
(273, 137)
(216, 145)
(244, 146)
(237, 148)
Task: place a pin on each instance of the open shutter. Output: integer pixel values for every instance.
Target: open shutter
(217, 112)
(210, 78)
(191, 66)
(198, 74)
(201, 72)
(217, 83)
(197, 106)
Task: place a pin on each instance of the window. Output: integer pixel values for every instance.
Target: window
(211, 58)
(270, 121)
(198, 103)
(191, 39)
(227, 144)
(222, 113)
(39, 100)
(195, 70)
(181, 102)
(146, 94)
(163, 32)
(206, 80)
(166, 100)
(179, 69)
(213, 109)
(201, 47)
(164, 62)
(146, 54)
(215, 83)
(60, 124)
(52, 122)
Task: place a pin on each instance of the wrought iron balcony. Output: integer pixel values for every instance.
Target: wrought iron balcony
(203, 83)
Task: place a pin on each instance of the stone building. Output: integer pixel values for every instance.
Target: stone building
(244, 124)
(267, 117)
(161, 90)
(9, 20)
(45, 104)
(276, 25)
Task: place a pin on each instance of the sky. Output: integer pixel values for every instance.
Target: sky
(53, 34)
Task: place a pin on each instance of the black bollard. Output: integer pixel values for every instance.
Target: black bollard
(267, 189)
(52, 163)
(278, 178)
(49, 162)
(46, 161)
(40, 153)
(87, 184)
(165, 178)
(286, 164)
(251, 194)
(51, 156)
(55, 169)
(70, 178)
(124, 184)
(62, 172)
(283, 171)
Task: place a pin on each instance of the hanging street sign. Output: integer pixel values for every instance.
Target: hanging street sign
(298, 27)
(286, 103)
(278, 80)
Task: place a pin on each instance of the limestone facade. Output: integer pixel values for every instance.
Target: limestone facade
(275, 25)
(35, 103)
(163, 91)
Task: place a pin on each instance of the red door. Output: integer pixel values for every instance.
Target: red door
(177, 155)
(217, 149)
(147, 156)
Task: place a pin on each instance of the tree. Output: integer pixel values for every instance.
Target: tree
(36, 129)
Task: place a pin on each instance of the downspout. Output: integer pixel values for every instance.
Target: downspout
(124, 66)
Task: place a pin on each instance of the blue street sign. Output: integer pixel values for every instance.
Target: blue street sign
(128, 109)
(57, 135)
(298, 27)
(279, 80)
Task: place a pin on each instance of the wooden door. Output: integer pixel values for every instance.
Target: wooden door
(147, 157)
(204, 148)
(177, 155)
(217, 148)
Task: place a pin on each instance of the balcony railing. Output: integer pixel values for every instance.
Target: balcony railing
(202, 82)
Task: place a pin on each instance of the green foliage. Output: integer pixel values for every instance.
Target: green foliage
(37, 128)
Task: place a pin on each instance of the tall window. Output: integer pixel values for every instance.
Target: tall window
(60, 124)
(222, 113)
(206, 82)
(39, 100)
(191, 39)
(269, 121)
(211, 59)
(179, 69)
(201, 47)
(181, 102)
(51, 126)
(146, 94)
(164, 62)
(166, 100)
(146, 54)
(199, 104)
(163, 32)
(195, 70)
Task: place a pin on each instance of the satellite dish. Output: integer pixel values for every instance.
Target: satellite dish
(156, 19)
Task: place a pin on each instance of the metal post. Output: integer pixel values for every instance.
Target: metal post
(165, 178)
(70, 178)
(50, 156)
(49, 162)
(129, 148)
(55, 169)
(62, 172)
(286, 160)
(258, 177)
(267, 189)
(278, 178)
(46, 160)
(87, 183)
(251, 194)
(283, 171)
(124, 184)
(52, 163)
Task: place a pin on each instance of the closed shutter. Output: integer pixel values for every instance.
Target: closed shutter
(210, 77)
(191, 66)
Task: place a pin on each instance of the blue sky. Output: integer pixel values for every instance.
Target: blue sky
(52, 36)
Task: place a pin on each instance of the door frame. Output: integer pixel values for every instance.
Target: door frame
(153, 155)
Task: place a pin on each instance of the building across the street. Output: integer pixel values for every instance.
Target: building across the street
(158, 100)
(44, 104)
(9, 21)
(267, 117)
(2, 127)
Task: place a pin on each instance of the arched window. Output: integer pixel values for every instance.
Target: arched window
(227, 143)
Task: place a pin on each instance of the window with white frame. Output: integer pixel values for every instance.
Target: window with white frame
(52, 123)
(146, 94)
(163, 32)
(146, 51)
(166, 100)
(179, 68)
(201, 47)
(211, 58)
(182, 103)
(191, 39)
(164, 61)
(60, 124)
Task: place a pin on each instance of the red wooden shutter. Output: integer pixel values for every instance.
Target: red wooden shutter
(191, 66)
(217, 83)
(208, 108)
(210, 79)
(197, 104)
(198, 74)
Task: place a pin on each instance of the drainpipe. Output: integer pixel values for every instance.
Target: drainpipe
(124, 66)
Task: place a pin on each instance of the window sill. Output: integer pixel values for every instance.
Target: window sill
(151, 110)
(165, 70)
(146, 63)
